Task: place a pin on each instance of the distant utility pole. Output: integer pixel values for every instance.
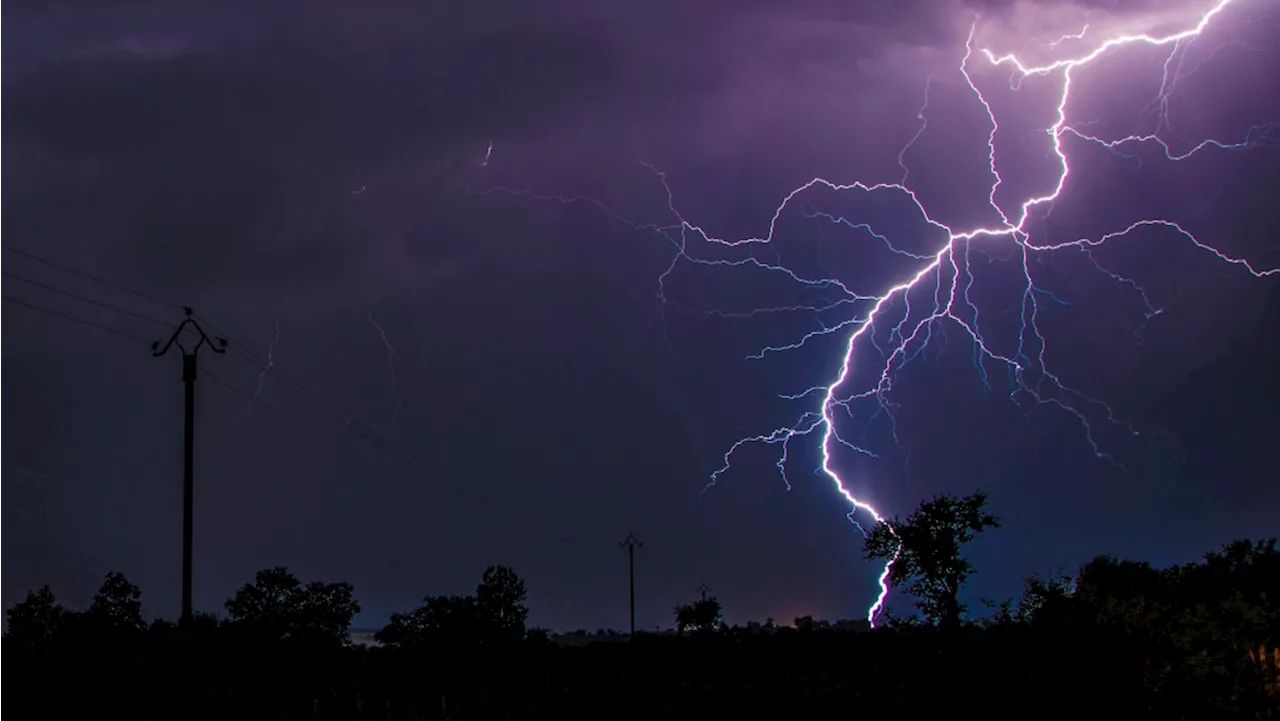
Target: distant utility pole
(188, 438)
(630, 544)
(702, 589)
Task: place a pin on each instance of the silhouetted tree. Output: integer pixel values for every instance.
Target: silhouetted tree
(495, 613)
(538, 637)
(1189, 628)
(117, 606)
(1191, 641)
(500, 601)
(702, 615)
(277, 607)
(447, 620)
(809, 623)
(925, 550)
(1045, 599)
(34, 622)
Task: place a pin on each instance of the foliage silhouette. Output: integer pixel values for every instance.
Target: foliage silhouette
(33, 623)
(926, 552)
(500, 601)
(1193, 641)
(495, 614)
(701, 616)
(277, 607)
(118, 605)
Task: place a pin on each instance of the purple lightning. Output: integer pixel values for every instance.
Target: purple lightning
(957, 296)
(895, 310)
(391, 365)
(271, 361)
(262, 375)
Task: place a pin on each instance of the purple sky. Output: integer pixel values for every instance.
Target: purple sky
(308, 167)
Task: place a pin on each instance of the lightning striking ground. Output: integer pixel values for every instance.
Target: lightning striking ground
(896, 324)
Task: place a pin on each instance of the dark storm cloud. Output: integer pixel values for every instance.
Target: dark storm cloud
(312, 159)
(227, 142)
(239, 131)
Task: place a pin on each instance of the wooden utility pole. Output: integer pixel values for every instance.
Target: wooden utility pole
(630, 544)
(189, 371)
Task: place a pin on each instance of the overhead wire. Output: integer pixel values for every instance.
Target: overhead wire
(379, 468)
(74, 319)
(340, 416)
(300, 426)
(456, 501)
(85, 299)
(89, 276)
(518, 520)
(396, 450)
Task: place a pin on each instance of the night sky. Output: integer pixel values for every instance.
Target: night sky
(312, 176)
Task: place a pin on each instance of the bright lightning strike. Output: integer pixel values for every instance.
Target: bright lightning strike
(894, 327)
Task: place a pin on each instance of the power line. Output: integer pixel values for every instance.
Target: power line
(212, 377)
(302, 427)
(385, 444)
(85, 299)
(400, 453)
(338, 415)
(92, 277)
(74, 319)
(190, 361)
(455, 501)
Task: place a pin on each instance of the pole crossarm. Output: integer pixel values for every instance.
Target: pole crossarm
(188, 441)
(218, 345)
(631, 543)
(631, 540)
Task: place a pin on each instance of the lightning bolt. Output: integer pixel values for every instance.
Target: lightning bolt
(1069, 36)
(898, 322)
(391, 365)
(262, 374)
(488, 153)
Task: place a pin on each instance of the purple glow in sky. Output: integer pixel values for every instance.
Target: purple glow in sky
(948, 309)
(944, 280)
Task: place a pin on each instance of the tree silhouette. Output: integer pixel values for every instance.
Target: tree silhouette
(702, 615)
(500, 602)
(276, 607)
(440, 620)
(34, 622)
(1197, 640)
(495, 613)
(117, 605)
(925, 550)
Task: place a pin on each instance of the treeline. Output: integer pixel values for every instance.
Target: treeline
(1195, 641)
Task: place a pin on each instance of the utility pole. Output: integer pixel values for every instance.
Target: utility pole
(630, 544)
(188, 437)
(702, 589)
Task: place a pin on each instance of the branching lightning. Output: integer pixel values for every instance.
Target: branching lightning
(894, 324)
